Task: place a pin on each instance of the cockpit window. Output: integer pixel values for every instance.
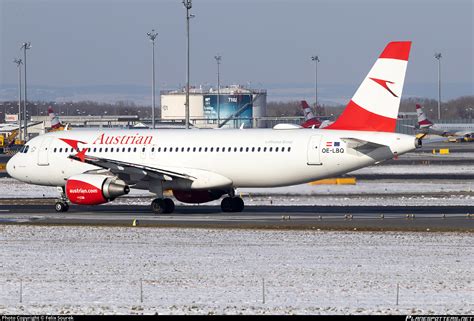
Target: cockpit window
(22, 149)
(26, 148)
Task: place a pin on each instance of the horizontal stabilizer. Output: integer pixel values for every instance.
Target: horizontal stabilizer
(361, 145)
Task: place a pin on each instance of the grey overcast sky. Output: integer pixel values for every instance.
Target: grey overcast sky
(265, 42)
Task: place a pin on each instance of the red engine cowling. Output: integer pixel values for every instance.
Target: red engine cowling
(91, 189)
(197, 196)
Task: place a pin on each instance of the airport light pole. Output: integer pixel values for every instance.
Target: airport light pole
(438, 56)
(152, 35)
(25, 46)
(18, 63)
(316, 60)
(188, 5)
(218, 61)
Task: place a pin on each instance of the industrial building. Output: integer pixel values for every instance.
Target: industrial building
(231, 106)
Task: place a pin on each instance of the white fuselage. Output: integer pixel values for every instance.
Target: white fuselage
(461, 129)
(247, 157)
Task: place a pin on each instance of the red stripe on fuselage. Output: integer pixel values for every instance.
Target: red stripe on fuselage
(397, 50)
(355, 117)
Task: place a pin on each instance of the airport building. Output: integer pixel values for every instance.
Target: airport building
(232, 107)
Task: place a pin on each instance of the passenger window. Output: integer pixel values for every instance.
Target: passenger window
(106, 149)
(270, 149)
(129, 149)
(143, 149)
(194, 149)
(164, 149)
(205, 149)
(54, 150)
(276, 149)
(258, 149)
(253, 149)
(123, 149)
(235, 149)
(159, 149)
(283, 149)
(264, 149)
(182, 149)
(217, 149)
(61, 150)
(200, 149)
(176, 149)
(289, 148)
(241, 149)
(212, 149)
(153, 149)
(100, 150)
(134, 149)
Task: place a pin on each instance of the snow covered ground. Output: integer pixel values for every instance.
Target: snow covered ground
(66, 269)
(416, 169)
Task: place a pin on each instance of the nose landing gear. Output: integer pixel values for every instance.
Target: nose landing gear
(61, 204)
(61, 207)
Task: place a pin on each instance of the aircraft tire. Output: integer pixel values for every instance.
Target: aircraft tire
(169, 205)
(61, 207)
(226, 205)
(158, 206)
(237, 204)
(162, 206)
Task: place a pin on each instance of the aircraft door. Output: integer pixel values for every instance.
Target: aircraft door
(314, 150)
(43, 151)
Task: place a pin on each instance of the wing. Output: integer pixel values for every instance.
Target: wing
(467, 133)
(121, 168)
(133, 173)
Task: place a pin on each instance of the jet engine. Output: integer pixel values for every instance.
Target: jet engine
(93, 189)
(197, 196)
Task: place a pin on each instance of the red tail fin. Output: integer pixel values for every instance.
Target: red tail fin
(374, 106)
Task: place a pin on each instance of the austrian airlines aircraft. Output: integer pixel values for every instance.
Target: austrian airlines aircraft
(201, 165)
(312, 121)
(425, 126)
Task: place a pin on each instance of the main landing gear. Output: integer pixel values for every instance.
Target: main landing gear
(61, 204)
(162, 206)
(232, 204)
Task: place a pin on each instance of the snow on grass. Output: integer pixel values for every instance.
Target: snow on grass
(68, 269)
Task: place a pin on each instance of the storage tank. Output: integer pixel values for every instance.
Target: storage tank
(231, 107)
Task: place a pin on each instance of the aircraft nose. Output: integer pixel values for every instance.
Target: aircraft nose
(11, 167)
